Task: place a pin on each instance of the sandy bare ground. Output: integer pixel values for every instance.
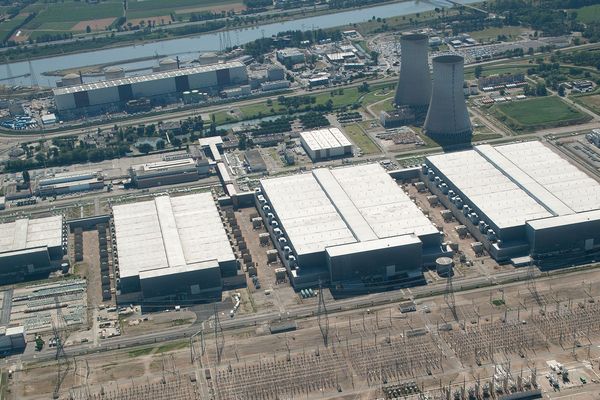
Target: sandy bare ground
(95, 24)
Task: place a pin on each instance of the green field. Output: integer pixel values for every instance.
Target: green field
(361, 139)
(511, 32)
(538, 113)
(7, 27)
(152, 8)
(591, 102)
(489, 70)
(75, 11)
(62, 16)
(588, 14)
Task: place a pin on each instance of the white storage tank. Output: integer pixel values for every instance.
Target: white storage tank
(443, 266)
(71, 80)
(167, 64)
(114, 72)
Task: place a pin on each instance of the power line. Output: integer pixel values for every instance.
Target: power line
(322, 316)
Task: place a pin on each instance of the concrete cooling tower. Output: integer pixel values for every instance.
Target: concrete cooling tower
(414, 85)
(447, 118)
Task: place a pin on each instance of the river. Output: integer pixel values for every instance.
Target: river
(190, 47)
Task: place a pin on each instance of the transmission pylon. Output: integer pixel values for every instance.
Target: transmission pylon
(9, 75)
(531, 284)
(59, 329)
(34, 82)
(322, 316)
(449, 295)
(219, 337)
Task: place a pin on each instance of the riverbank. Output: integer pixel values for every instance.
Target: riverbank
(167, 32)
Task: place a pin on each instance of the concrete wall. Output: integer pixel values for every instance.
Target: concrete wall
(375, 263)
(571, 238)
(17, 266)
(204, 283)
(447, 117)
(104, 95)
(203, 80)
(414, 84)
(154, 88)
(64, 101)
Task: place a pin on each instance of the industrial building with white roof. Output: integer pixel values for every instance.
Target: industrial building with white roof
(348, 226)
(121, 90)
(172, 248)
(30, 247)
(325, 143)
(520, 200)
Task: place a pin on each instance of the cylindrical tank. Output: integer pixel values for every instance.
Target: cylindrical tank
(187, 97)
(414, 84)
(71, 80)
(167, 64)
(447, 118)
(208, 58)
(114, 73)
(443, 266)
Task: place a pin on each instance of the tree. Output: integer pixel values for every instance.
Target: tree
(540, 90)
(561, 91)
(176, 142)
(478, 71)
(145, 148)
(88, 29)
(243, 142)
(26, 177)
(160, 144)
(374, 56)
(364, 88)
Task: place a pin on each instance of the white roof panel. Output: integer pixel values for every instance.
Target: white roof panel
(558, 176)
(27, 233)
(502, 200)
(343, 205)
(169, 232)
(146, 78)
(326, 138)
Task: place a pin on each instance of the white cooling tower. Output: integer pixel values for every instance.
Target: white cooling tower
(447, 117)
(414, 84)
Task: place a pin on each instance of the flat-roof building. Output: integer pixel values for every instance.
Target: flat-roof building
(69, 182)
(325, 143)
(349, 226)
(122, 90)
(31, 247)
(169, 171)
(172, 249)
(520, 199)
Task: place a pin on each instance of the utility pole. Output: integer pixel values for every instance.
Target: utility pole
(322, 316)
(531, 283)
(449, 295)
(60, 335)
(219, 337)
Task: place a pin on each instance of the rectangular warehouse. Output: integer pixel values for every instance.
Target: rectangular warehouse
(121, 90)
(521, 199)
(168, 172)
(172, 248)
(31, 247)
(348, 226)
(325, 143)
